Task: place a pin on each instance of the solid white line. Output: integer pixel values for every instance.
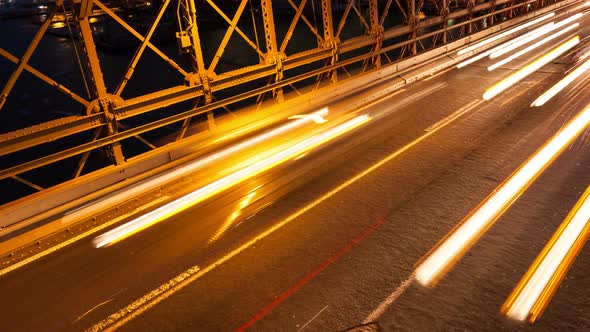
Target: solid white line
(389, 301)
(312, 318)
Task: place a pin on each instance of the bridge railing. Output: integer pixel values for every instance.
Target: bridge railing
(284, 48)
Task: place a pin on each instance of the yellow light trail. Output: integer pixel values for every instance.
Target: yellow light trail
(504, 34)
(188, 168)
(224, 183)
(534, 291)
(530, 68)
(545, 97)
(458, 242)
(534, 35)
(532, 47)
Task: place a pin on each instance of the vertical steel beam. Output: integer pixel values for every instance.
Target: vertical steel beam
(413, 22)
(200, 74)
(28, 53)
(329, 40)
(272, 55)
(97, 80)
(376, 31)
(444, 13)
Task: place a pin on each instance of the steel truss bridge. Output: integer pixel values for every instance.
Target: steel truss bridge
(348, 39)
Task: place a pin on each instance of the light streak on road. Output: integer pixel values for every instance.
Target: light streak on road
(529, 37)
(143, 186)
(504, 34)
(545, 97)
(224, 183)
(522, 40)
(233, 216)
(532, 47)
(458, 242)
(533, 293)
(530, 68)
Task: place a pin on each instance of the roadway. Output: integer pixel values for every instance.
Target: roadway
(329, 267)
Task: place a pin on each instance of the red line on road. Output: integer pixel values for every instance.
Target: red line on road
(286, 294)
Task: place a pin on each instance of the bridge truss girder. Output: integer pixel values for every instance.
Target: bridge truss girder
(334, 55)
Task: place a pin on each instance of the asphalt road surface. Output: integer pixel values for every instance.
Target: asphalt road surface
(341, 229)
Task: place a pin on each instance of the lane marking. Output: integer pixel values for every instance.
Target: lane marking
(303, 281)
(374, 316)
(456, 114)
(110, 324)
(312, 318)
(92, 309)
(145, 301)
(79, 237)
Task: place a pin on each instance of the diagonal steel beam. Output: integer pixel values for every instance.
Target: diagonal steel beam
(45, 78)
(292, 26)
(139, 52)
(228, 33)
(344, 17)
(306, 21)
(238, 30)
(28, 53)
(137, 35)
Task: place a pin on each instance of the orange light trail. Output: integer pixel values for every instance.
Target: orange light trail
(458, 242)
(534, 291)
(203, 193)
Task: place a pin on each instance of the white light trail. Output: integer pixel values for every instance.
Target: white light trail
(483, 217)
(532, 35)
(532, 47)
(530, 68)
(504, 34)
(538, 285)
(224, 183)
(545, 97)
(529, 37)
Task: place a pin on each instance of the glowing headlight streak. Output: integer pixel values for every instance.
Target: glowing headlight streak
(499, 47)
(532, 47)
(532, 35)
(458, 242)
(533, 293)
(117, 234)
(530, 68)
(522, 40)
(148, 184)
(504, 34)
(545, 97)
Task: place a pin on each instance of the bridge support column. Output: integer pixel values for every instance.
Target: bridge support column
(191, 44)
(273, 56)
(329, 39)
(376, 31)
(104, 102)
